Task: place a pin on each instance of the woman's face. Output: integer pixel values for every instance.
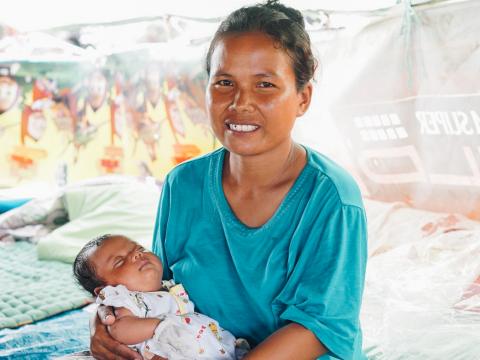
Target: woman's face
(119, 260)
(252, 100)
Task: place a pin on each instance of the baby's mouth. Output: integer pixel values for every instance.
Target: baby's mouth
(143, 264)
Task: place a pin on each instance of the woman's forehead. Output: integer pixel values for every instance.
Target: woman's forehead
(254, 52)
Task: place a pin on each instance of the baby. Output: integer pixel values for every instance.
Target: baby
(156, 317)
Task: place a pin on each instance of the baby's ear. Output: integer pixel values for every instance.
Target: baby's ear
(97, 290)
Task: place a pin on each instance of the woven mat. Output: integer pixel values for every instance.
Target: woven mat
(31, 289)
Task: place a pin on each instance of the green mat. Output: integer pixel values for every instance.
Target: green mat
(31, 289)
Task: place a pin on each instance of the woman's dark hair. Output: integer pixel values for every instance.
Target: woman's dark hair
(83, 269)
(284, 25)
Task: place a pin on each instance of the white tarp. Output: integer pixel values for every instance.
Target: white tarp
(404, 93)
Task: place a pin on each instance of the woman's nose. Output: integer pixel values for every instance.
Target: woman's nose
(242, 101)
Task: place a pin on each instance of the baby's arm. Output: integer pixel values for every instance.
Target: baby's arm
(129, 329)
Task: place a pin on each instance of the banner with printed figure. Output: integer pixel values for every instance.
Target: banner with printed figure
(72, 113)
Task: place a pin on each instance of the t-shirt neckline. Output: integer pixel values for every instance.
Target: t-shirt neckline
(226, 210)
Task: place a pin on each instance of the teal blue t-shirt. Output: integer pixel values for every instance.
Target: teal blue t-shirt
(305, 265)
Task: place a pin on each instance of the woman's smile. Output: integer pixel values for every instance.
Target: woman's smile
(252, 99)
(242, 128)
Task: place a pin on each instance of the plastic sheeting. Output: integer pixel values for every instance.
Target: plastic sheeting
(402, 89)
(422, 297)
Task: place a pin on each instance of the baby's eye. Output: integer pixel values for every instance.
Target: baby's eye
(142, 249)
(265, 84)
(119, 262)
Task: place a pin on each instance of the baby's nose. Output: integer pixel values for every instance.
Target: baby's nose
(137, 255)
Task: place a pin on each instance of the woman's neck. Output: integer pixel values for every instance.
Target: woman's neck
(266, 170)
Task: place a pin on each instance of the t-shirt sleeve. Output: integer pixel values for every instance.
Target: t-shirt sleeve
(159, 233)
(325, 281)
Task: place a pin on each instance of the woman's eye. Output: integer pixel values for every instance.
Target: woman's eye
(265, 84)
(224, 83)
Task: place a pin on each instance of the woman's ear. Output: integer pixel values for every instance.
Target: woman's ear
(304, 97)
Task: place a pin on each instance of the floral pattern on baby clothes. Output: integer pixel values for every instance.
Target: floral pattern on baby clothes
(182, 332)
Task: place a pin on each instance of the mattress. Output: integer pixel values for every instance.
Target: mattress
(33, 289)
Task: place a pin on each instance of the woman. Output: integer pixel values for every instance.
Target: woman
(267, 236)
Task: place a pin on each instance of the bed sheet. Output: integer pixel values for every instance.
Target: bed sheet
(31, 190)
(422, 291)
(63, 334)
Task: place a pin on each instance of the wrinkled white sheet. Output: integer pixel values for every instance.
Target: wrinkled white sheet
(422, 296)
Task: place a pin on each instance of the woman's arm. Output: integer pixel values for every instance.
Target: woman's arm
(293, 341)
(130, 329)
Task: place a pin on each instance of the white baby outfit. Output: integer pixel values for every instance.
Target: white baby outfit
(182, 334)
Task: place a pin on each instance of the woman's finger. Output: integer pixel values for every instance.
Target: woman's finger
(99, 352)
(123, 352)
(99, 343)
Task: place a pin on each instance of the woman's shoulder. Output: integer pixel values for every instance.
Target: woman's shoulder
(332, 175)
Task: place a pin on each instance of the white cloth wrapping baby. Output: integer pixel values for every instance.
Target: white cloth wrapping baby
(182, 334)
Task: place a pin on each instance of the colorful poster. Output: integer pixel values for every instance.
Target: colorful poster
(65, 110)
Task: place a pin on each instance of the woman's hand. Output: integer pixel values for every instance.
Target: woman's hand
(102, 345)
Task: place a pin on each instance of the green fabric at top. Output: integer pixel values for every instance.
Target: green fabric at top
(306, 264)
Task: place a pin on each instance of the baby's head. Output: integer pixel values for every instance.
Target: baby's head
(114, 260)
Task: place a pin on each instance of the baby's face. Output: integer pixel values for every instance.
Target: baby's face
(119, 260)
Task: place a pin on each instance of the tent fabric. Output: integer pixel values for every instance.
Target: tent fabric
(401, 92)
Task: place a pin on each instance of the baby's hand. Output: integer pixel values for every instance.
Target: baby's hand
(102, 345)
(106, 315)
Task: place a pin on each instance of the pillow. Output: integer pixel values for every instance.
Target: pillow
(125, 208)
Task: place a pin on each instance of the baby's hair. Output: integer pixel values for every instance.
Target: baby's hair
(83, 269)
(286, 27)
